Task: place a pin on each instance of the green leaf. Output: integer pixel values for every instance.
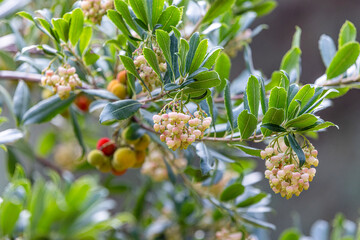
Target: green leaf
(217, 8)
(223, 67)
(228, 105)
(21, 100)
(119, 110)
(170, 18)
(101, 93)
(263, 99)
(184, 49)
(76, 25)
(231, 192)
(163, 39)
(247, 123)
(62, 28)
(273, 116)
(206, 160)
(304, 95)
(302, 121)
(85, 39)
(291, 61)
(290, 234)
(123, 9)
(327, 49)
(77, 131)
(199, 56)
(10, 136)
(296, 38)
(90, 57)
(277, 98)
(12, 161)
(313, 99)
(130, 67)
(170, 172)
(211, 58)
(205, 80)
(9, 214)
(253, 95)
(157, 8)
(344, 58)
(45, 110)
(347, 33)
(151, 58)
(117, 19)
(273, 127)
(297, 149)
(194, 43)
(249, 150)
(138, 6)
(45, 144)
(319, 126)
(251, 200)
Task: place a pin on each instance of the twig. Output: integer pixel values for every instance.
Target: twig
(15, 75)
(50, 165)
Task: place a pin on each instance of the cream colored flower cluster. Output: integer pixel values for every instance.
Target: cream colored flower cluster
(94, 10)
(283, 171)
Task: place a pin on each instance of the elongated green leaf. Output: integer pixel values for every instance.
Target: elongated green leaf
(130, 67)
(313, 99)
(76, 26)
(21, 100)
(291, 61)
(277, 98)
(304, 95)
(199, 56)
(302, 121)
(85, 39)
(228, 105)
(163, 40)
(170, 18)
(249, 150)
(9, 214)
(206, 160)
(10, 136)
(117, 19)
(297, 149)
(344, 58)
(62, 28)
(119, 110)
(231, 192)
(263, 99)
(217, 8)
(123, 9)
(157, 8)
(138, 6)
(319, 126)
(77, 131)
(247, 123)
(296, 38)
(223, 67)
(183, 51)
(193, 45)
(90, 57)
(273, 127)
(251, 200)
(151, 58)
(205, 80)
(274, 116)
(347, 33)
(253, 95)
(47, 109)
(211, 58)
(290, 234)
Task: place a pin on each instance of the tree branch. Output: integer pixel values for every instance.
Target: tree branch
(15, 75)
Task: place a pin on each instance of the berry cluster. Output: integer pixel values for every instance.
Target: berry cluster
(147, 74)
(118, 85)
(63, 82)
(283, 171)
(107, 157)
(94, 10)
(179, 130)
(155, 167)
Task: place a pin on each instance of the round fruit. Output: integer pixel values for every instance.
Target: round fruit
(105, 166)
(124, 158)
(118, 173)
(82, 102)
(111, 85)
(143, 143)
(107, 146)
(119, 90)
(96, 157)
(122, 77)
(140, 159)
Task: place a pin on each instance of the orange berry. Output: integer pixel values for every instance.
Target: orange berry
(119, 90)
(118, 173)
(140, 159)
(111, 85)
(124, 158)
(122, 77)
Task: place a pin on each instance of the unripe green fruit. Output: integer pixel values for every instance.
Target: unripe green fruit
(140, 159)
(143, 143)
(124, 136)
(96, 157)
(105, 167)
(124, 158)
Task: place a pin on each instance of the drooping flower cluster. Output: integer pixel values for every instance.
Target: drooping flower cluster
(63, 81)
(155, 167)
(147, 74)
(226, 234)
(94, 10)
(179, 130)
(283, 171)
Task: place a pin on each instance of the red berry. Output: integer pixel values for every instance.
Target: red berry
(118, 173)
(107, 146)
(82, 102)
